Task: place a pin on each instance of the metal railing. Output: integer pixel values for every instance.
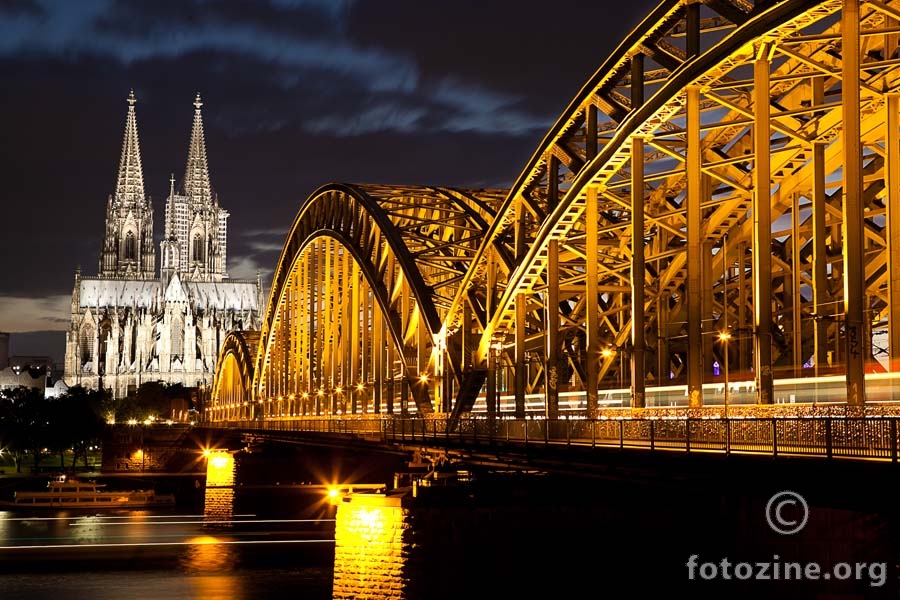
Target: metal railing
(866, 438)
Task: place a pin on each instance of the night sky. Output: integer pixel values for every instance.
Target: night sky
(297, 94)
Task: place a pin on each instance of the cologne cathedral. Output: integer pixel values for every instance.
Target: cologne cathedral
(130, 325)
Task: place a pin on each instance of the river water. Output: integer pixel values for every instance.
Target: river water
(272, 534)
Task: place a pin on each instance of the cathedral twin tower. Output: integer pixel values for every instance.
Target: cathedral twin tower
(131, 326)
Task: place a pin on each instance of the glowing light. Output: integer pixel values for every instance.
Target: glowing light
(724, 336)
(360, 386)
(368, 531)
(606, 352)
(321, 392)
(220, 469)
(423, 377)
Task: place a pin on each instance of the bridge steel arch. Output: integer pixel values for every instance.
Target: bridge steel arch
(231, 397)
(715, 175)
(732, 168)
(354, 323)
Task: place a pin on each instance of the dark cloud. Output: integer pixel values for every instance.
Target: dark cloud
(539, 52)
(13, 8)
(145, 18)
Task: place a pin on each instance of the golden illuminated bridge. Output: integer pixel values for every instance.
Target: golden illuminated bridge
(713, 221)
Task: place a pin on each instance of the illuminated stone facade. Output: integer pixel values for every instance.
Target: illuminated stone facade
(128, 324)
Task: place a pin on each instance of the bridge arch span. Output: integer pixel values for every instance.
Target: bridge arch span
(355, 319)
(689, 192)
(722, 192)
(231, 397)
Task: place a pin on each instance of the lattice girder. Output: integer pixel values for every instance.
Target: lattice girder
(807, 67)
(703, 181)
(231, 395)
(386, 261)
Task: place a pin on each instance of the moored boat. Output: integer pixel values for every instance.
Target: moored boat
(63, 492)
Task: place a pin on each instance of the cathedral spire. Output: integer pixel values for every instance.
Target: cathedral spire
(128, 249)
(130, 184)
(196, 174)
(170, 210)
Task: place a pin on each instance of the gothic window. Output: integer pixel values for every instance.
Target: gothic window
(197, 254)
(178, 335)
(130, 246)
(87, 343)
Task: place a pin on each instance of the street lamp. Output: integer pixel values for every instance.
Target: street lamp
(724, 337)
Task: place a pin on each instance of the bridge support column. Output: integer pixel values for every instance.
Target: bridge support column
(490, 399)
(762, 229)
(521, 316)
(638, 370)
(892, 202)
(521, 362)
(854, 240)
(592, 320)
(796, 297)
(551, 303)
(820, 264)
(551, 311)
(694, 286)
(378, 342)
(390, 390)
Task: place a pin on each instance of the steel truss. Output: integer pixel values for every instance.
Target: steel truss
(715, 175)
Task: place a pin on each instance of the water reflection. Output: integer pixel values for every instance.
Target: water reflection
(87, 529)
(209, 553)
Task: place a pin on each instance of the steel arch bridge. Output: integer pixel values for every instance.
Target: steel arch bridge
(724, 190)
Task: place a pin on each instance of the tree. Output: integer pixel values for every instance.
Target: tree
(24, 423)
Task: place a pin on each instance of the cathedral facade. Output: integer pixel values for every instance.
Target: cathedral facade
(131, 325)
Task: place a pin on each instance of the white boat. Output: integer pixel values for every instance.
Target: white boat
(63, 492)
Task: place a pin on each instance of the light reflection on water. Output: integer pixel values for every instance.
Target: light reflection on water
(209, 553)
(165, 553)
(410, 552)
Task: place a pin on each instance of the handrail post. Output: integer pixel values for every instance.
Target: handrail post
(526, 432)
(727, 436)
(687, 435)
(621, 434)
(829, 452)
(593, 433)
(893, 422)
(652, 440)
(774, 437)
(546, 432)
(568, 433)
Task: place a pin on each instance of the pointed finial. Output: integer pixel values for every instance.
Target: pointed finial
(197, 102)
(131, 98)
